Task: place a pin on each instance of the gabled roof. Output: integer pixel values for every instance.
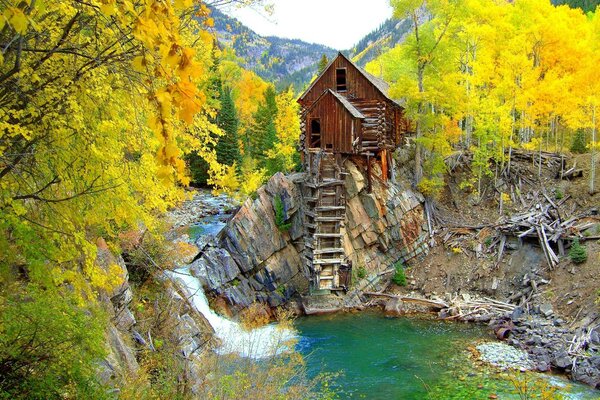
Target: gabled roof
(382, 86)
(353, 110)
(343, 101)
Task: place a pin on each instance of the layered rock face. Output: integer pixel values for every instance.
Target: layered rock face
(384, 226)
(253, 260)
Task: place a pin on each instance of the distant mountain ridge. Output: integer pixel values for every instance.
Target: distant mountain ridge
(292, 61)
(282, 61)
(389, 34)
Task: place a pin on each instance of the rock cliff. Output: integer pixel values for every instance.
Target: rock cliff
(253, 260)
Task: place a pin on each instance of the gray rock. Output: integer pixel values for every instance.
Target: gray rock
(125, 319)
(517, 313)
(546, 309)
(562, 360)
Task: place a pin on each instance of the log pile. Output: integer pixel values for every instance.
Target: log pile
(546, 220)
(476, 310)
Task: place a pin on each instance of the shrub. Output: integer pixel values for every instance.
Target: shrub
(49, 345)
(361, 272)
(280, 216)
(558, 194)
(399, 276)
(577, 253)
(578, 144)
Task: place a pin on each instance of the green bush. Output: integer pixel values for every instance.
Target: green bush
(577, 252)
(578, 144)
(280, 216)
(399, 276)
(558, 194)
(361, 272)
(49, 345)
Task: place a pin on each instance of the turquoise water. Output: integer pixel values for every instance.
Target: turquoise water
(208, 226)
(402, 358)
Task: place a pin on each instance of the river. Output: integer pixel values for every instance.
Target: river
(408, 358)
(369, 356)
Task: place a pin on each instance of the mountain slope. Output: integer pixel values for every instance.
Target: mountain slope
(294, 62)
(389, 34)
(279, 60)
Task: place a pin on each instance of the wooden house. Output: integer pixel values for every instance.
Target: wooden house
(346, 112)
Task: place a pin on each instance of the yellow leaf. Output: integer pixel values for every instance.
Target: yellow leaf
(183, 3)
(17, 19)
(139, 64)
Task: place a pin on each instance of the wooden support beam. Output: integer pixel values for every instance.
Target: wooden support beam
(384, 165)
(331, 250)
(369, 183)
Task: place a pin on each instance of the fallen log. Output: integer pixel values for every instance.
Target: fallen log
(431, 303)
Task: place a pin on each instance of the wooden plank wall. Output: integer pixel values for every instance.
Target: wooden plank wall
(359, 87)
(337, 124)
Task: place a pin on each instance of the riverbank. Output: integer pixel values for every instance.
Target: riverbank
(552, 341)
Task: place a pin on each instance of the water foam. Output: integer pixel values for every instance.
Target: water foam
(262, 342)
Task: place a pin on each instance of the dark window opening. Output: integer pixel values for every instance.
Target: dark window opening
(329, 146)
(340, 79)
(315, 133)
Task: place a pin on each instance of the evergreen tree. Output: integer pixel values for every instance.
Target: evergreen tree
(263, 133)
(323, 63)
(228, 149)
(578, 144)
(197, 165)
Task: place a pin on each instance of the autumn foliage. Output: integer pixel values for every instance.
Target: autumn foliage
(491, 76)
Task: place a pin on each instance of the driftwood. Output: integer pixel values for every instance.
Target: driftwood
(437, 304)
(482, 309)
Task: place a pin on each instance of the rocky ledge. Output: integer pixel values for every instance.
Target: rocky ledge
(552, 344)
(254, 260)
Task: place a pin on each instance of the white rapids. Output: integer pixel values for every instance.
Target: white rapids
(262, 342)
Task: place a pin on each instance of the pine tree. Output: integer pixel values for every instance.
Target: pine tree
(197, 165)
(577, 253)
(263, 132)
(578, 145)
(323, 63)
(228, 149)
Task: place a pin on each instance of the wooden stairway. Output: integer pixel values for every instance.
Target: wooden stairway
(325, 214)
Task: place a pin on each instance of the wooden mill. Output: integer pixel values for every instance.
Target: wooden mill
(346, 113)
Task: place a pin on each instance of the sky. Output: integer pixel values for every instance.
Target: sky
(336, 23)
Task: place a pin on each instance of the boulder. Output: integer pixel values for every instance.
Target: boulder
(562, 360)
(546, 310)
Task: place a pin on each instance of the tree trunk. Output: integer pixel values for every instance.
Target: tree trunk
(593, 155)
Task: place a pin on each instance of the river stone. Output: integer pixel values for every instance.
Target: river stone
(394, 307)
(504, 356)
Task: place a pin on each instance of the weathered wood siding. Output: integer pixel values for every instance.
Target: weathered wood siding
(338, 126)
(358, 87)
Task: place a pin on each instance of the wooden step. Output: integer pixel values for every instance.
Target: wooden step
(330, 208)
(328, 235)
(328, 261)
(331, 250)
(328, 183)
(330, 219)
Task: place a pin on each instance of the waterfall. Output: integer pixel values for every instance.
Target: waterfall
(261, 342)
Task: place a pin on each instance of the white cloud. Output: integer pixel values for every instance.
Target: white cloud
(335, 23)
